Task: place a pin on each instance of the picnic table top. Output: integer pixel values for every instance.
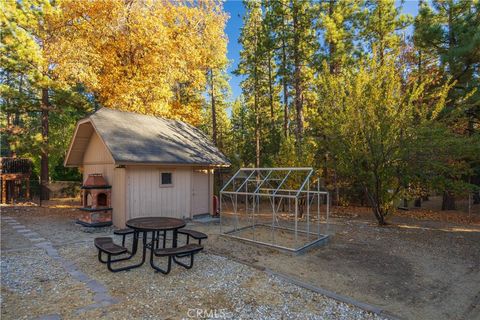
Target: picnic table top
(155, 223)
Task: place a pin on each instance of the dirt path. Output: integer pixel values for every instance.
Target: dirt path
(416, 270)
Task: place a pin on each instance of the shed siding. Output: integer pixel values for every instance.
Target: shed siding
(97, 159)
(145, 197)
(118, 198)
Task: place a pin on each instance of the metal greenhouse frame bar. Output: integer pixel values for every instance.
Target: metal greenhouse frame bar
(277, 207)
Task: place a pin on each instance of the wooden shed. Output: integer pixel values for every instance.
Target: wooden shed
(155, 166)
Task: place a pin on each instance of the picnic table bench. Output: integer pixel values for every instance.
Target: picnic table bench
(194, 234)
(107, 246)
(172, 253)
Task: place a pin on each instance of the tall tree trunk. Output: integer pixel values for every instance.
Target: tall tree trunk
(418, 202)
(476, 197)
(285, 83)
(333, 69)
(255, 100)
(285, 108)
(376, 208)
(7, 141)
(297, 78)
(381, 42)
(335, 182)
(332, 48)
(270, 91)
(214, 110)
(448, 201)
(257, 133)
(44, 174)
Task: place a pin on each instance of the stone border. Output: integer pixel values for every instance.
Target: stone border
(330, 294)
(101, 297)
(362, 305)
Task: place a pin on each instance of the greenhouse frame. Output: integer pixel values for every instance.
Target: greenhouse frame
(282, 208)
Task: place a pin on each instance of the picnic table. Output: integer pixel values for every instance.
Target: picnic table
(154, 225)
(151, 229)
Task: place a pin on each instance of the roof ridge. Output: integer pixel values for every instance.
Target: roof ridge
(138, 114)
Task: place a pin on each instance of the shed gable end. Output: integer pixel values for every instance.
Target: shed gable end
(96, 152)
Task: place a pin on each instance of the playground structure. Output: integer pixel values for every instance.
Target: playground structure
(15, 177)
(279, 207)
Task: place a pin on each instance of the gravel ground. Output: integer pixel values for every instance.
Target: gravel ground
(35, 283)
(214, 284)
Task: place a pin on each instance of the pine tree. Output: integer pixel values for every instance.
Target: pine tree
(243, 152)
(218, 91)
(252, 65)
(304, 46)
(29, 53)
(337, 22)
(381, 24)
(278, 21)
(449, 32)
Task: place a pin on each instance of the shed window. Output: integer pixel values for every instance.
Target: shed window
(166, 179)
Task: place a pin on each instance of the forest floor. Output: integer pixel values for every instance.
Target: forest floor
(425, 264)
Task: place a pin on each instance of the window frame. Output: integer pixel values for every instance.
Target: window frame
(170, 185)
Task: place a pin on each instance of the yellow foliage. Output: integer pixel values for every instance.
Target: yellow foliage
(134, 54)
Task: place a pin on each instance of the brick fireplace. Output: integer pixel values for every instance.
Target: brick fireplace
(96, 202)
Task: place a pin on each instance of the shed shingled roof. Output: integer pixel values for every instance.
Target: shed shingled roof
(137, 138)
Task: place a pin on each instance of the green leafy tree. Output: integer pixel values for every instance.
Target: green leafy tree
(375, 122)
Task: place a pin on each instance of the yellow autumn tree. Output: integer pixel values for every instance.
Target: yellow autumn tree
(148, 56)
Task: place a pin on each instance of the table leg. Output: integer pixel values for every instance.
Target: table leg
(152, 248)
(174, 240)
(154, 240)
(144, 252)
(157, 238)
(144, 249)
(136, 236)
(135, 242)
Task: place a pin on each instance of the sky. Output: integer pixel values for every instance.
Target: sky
(236, 11)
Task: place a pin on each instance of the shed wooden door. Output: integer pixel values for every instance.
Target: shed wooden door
(200, 192)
